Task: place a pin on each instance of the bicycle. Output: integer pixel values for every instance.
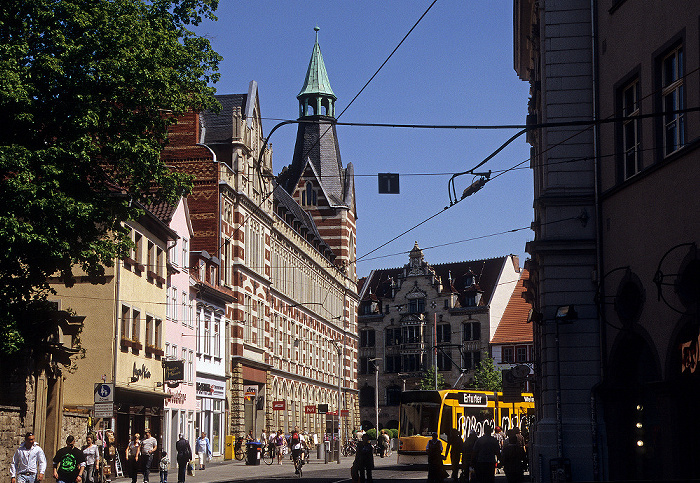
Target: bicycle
(238, 450)
(349, 448)
(268, 453)
(298, 463)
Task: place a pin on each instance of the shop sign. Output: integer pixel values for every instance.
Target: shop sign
(250, 391)
(344, 413)
(205, 388)
(322, 408)
(278, 405)
(310, 409)
(140, 373)
(176, 398)
(332, 413)
(174, 370)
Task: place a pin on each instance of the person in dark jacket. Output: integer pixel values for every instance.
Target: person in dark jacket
(467, 450)
(184, 455)
(364, 460)
(454, 448)
(512, 457)
(434, 450)
(485, 456)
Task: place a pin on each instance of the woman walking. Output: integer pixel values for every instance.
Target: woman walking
(133, 451)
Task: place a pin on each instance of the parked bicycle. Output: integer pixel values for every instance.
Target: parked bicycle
(268, 453)
(349, 448)
(238, 449)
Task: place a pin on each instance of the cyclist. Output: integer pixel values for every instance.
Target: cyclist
(296, 442)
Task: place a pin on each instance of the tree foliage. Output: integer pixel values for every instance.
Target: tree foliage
(427, 382)
(487, 377)
(88, 89)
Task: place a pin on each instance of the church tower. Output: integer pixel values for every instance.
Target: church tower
(316, 178)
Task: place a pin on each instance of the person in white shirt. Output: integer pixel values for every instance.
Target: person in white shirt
(28, 463)
(92, 455)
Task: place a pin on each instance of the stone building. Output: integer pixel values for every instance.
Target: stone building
(284, 248)
(614, 271)
(421, 318)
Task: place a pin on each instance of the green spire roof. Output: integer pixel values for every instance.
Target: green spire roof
(316, 82)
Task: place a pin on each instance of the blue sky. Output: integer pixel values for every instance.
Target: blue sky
(456, 68)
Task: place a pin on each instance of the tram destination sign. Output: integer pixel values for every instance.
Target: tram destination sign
(470, 399)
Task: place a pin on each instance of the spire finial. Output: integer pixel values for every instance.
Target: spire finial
(316, 29)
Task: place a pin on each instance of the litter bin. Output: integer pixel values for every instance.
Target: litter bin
(253, 450)
(320, 451)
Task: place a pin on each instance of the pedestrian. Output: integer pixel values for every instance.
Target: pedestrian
(280, 446)
(92, 456)
(454, 449)
(183, 457)
(133, 450)
(484, 456)
(164, 466)
(467, 449)
(513, 456)
(148, 449)
(28, 463)
(364, 460)
(69, 463)
(434, 450)
(203, 448)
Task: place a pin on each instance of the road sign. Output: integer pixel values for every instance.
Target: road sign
(104, 393)
(104, 410)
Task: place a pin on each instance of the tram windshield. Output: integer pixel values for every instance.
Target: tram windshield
(419, 418)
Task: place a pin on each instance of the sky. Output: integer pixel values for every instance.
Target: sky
(455, 68)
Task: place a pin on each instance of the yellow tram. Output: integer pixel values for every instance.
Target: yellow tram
(424, 412)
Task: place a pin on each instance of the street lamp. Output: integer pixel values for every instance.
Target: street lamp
(376, 395)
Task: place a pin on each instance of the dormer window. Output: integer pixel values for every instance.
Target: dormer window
(308, 196)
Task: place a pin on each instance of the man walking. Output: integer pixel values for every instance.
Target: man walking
(148, 449)
(485, 455)
(184, 455)
(69, 463)
(29, 462)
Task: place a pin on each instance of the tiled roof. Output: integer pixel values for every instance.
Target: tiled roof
(163, 211)
(513, 327)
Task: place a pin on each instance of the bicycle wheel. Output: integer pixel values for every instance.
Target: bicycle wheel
(239, 454)
(268, 455)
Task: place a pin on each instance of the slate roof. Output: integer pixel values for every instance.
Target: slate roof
(513, 327)
(218, 128)
(283, 198)
(486, 273)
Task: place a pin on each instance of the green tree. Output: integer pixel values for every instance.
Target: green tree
(88, 90)
(487, 377)
(427, 382)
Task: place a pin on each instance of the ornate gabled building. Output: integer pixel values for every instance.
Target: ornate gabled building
(421, 317)
(284, 250)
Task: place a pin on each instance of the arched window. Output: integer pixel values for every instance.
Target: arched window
(308, 197)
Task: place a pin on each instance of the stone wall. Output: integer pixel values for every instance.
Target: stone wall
(11, 430)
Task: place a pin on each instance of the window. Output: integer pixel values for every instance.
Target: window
(416, 306)
(207, 334)
(393, 337)
(444, 332)
(365, 365)
(157, 334)
(411, 334)
(138, 248)
(508, 355)
(149, 330)
(125, 322)
(672, 100)
(135, 325)
(367, 338)
(471, 331)
(151, 260)
(190, 367)
(392, 363)
(630, 130)
(521, 353)
(471, 360)
(308, 196)
(198, 321)
(185, 253)
(443, 362)
(217, 338)
(367, 396)
(411, 363)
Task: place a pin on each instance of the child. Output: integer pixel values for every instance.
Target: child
(164, 465)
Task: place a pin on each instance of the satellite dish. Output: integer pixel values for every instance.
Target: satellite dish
(520, 371)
